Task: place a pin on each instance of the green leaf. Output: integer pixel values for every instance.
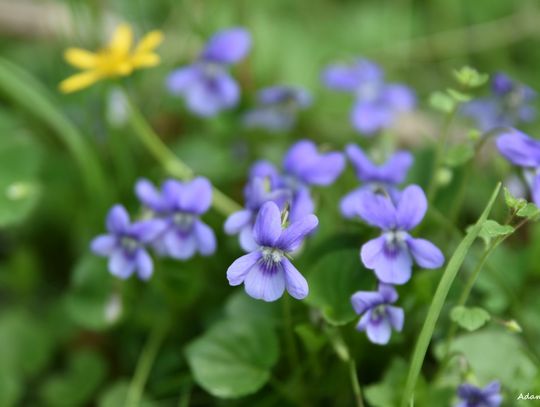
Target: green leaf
(332, 281)
(77, 385)
(491, 229)
(469, 318)
(487, 352)
(91, 293)
(116, 396)
(442, 102)
(234, 357)
(529, 211)
(470, 77)
(512, 202)
(20, 160)
(458, 96)
(241, 304)
(459, 154)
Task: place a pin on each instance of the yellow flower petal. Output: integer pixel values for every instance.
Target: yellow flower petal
(122, 39)
(80, 58)
(149, 42)
(145, 60)
(79, 81)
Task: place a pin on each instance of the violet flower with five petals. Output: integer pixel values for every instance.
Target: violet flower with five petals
(206, 85)
(378, 316)
(381, 178)
(125, 242)
(511, 103)
(266, 272)
(472, 396)
(378, 104)
(391, 255)
(278, 108)
(304, 166)
(180, 204)
(261, 187)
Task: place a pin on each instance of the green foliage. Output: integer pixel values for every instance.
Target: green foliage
(529, 211)
(75, 386)
(92, 287)
(497, 354)
(470, 77)
(469, 318)
(492, 229)
(20, 187)
(442, 102)
(332, 281)
(234, 357)
(116, 395)
(459, 154)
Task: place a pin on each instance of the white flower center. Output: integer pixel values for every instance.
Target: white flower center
(272, 255)
(395, 238)
(183, 220)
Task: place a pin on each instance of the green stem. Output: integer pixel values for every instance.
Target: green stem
(29, 93)
(171, 163)
(439, 298)
(144, 364)
(355, 384)
(439, 153)
(289, 334)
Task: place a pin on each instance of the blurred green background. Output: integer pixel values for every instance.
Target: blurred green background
(60, 341)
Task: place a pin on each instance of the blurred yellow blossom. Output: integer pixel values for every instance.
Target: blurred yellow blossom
(118, 58)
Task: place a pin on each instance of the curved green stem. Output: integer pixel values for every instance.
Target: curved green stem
(29, 93)
(171, 163)
(357, 391)
(439, 298)
(439, 153)
(144, 364)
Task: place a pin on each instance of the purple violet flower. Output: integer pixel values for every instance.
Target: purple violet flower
(472, 396)
(125, 242)
(510, 104)
(381, 178)
(304, 166)
(391, 255)
(266, 272)
(206, 85)
(180, 204)
(278, 108)
(261, 187)
(378, 316)
(378, 103)
(523, 151)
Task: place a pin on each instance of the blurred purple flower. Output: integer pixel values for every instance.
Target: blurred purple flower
(523, 151)
(381, 178)
(378, 316)
(472, 396)
(377, 103)
(262, 187)
(180, 204)
(124, 244)
(266, 272)
(391, 255)
(278, 108)
(304, 166)
(510, 104)
(206, 85)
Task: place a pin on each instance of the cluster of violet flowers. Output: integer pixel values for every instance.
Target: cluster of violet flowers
(381, 204)
(173, 227)
(279, 208)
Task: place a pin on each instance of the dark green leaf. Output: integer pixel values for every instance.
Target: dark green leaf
(234, 357)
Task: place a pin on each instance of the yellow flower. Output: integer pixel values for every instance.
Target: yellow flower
(116, 60)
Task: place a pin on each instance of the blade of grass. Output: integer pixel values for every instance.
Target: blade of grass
(27, 92)
(439, 298)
